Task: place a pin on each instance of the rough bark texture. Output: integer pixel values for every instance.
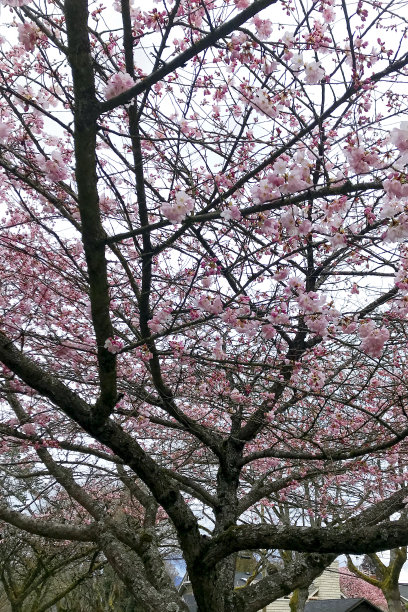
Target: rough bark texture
(298, 600)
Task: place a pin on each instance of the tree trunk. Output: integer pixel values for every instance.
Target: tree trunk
(394, 601)
(213, 589)
(298, 600)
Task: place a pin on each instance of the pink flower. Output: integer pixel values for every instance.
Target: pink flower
(314, 73)
(390, 208)
(281, 274)
(328, 14)
(177, 211)
(270, 227)
(211, 305)
(263, 27)
(54, 167)
(401, 279)
(28, 35)
(279, 318)
(29, 429)
(310, 302)
(232, 212)
(15, 3)
(113, 345)
(318, 325)
(117, 84)
(338, 240)
(305, 227)
(316, 380)
(264, 104)
(159, 320)
(360, 160)
(297, 63)
(373, 339)
(218, 350)
(5, 130)
(206, 282)
(399, 137)
(395, 188)
(397, 230)
(268, 67)
(268, 331)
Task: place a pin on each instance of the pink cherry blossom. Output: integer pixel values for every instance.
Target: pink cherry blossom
(28, 35)
(373, 338)
(160, 320)
(117, 84)
(316, 380)
(54, 166)
(399, 137)
(328, 14)
(360, 160)
(268, 331)
(314, 73)
(177, 210)
(113, 345)
(231, 212)
(242, 228)
(15, 3)
(394, 187)
(210, 304)
(5, 130)
(29, 429)
(263, 27)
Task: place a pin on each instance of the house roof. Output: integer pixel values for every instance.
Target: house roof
(403, 589)
(190, 601)
(341, 605)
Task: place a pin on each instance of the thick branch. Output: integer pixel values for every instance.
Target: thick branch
(93, 234)
(368, 532)
(47, 528)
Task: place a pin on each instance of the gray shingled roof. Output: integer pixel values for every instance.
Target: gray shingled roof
(339, 605)
(190, 601)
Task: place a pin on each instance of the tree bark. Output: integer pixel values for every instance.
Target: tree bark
(298, 600)
(394, 601)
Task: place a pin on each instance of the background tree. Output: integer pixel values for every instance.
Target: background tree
(36, 575)
(385, 577)
(353, 586)
(204, 277)
(105, 591)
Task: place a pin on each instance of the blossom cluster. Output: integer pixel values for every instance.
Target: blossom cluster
(28, 35)
(113, 345)
(399, 137)
(361, 161)
(160, 319)
(373, 339)
(54, 166)
(5, 131)
(117, 84)
(177, 210)
(15, 3)
(263, 27)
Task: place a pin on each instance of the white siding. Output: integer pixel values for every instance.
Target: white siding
(327, 585)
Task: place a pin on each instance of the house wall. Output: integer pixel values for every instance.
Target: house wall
(327, 585)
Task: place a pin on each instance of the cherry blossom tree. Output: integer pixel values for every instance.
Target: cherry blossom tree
(204, 280)
(385, 577)
(353, 586)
